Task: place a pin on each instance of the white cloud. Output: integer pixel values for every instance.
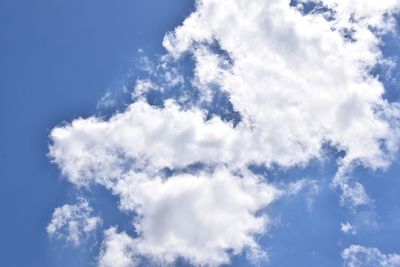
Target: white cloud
(142, 136)
(142, 87)
(347, 228)
(298, 84)
(118, 250)
(73, 222)
(296, 80)
(359, 256)
(353, 193)
(197, 217)
(203, 219)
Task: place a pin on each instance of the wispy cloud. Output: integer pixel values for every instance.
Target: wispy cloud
(359, 256)
(73, 223)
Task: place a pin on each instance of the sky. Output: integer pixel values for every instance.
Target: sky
(200, 133)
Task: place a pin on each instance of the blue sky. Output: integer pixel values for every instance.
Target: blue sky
(64, 60)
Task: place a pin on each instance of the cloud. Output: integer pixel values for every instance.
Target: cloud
(299, 80)
(358, 256)
(107, 101)
(204, 219)
(296, 79)
(73, 222)
(353, 192)
(141, 137)
(118, 250)
(297, 83)
(347, 228)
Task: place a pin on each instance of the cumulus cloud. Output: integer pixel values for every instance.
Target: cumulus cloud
(359, 256)
(73, 222)
(204, 219)
(197, 217)
(141, 137)
(296, 79)
(299, 79)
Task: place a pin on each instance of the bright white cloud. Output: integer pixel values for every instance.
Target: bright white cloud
(140, 137)
(296, 81)
(359, 256)
(299, 83)
(73, 222)
(118, 250)
(199, 218)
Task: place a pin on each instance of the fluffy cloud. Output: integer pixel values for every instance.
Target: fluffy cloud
(299, 79)
(118, 250)
(141, 136)
(73, 222)
(297, 82)
(199, 218)
(295, 79)
(358, 256)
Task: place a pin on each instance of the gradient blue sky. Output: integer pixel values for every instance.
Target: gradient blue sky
(59, 58)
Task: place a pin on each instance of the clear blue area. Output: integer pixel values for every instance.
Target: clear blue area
(58, 58)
